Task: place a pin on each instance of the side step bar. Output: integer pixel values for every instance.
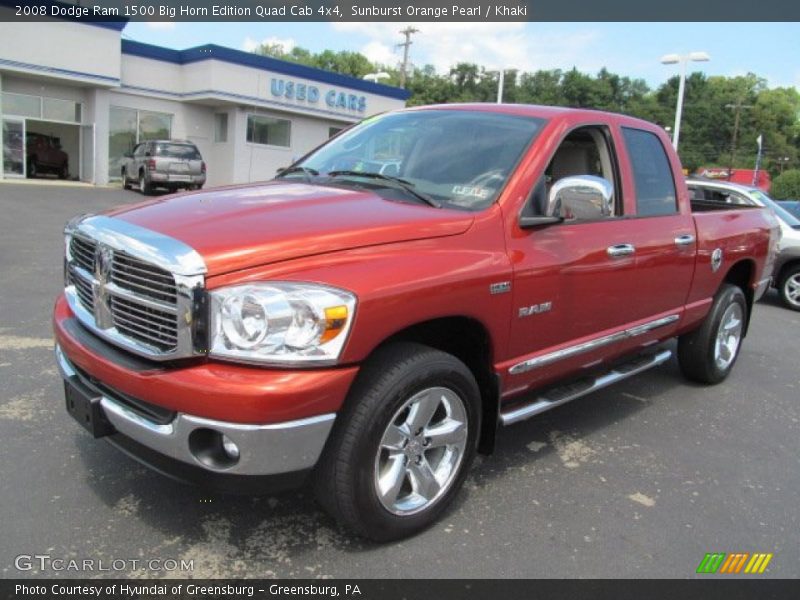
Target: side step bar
(561, 395)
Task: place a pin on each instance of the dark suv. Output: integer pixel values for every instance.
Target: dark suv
(171, 164)
(44, 154)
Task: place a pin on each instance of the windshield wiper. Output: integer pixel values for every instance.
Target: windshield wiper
(395, 181)
(306, 171)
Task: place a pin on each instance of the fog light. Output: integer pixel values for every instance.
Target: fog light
(231, 449)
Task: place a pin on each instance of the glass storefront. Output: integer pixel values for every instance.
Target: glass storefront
(13, 147)
(128, 127)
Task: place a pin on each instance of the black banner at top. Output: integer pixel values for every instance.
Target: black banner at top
(122, 11)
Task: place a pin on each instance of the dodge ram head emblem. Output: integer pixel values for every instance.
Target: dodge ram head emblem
(103, 259)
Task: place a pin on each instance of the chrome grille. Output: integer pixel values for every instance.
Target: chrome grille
(121, 295)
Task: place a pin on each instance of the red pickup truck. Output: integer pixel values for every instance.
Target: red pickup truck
(370, 318)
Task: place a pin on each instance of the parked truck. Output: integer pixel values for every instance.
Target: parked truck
(374, 316)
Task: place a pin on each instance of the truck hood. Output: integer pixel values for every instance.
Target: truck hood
(240, 227)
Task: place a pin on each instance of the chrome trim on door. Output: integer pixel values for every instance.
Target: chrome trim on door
(571, 351)
(621, 250)
(684, 240)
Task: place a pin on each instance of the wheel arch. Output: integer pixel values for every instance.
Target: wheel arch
(742, 274)
(468, 340)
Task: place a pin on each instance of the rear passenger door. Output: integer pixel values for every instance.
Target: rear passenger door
(664, 236)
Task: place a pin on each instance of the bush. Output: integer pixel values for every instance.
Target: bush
(786, 186)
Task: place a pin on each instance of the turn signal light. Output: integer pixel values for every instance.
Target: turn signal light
(335, 320)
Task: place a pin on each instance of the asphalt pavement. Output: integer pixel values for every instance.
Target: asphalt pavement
(637, 480)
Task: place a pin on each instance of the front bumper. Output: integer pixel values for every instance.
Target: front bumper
(262, 449)
(173, 418)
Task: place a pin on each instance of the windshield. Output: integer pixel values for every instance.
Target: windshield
(783, 214)
(185, 151)
(454, 158)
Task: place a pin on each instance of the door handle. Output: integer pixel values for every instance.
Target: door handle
(621, 250)
(684, 240)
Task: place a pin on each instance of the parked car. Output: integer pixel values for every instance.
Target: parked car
(170, 164)
(787, 265)
(368, 319)
(44, 155)
(792, 206)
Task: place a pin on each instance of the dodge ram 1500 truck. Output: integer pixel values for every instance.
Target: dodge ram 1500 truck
(369, 320)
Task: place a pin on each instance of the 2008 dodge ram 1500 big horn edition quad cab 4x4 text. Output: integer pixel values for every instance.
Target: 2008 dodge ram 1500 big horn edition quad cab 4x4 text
(369, 318)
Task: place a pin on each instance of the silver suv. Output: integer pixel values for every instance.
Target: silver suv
(171, 164)
(787, 264)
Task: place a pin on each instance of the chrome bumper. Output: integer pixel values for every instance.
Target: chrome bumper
(262, 449)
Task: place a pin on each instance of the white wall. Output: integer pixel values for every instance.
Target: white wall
(89, 53)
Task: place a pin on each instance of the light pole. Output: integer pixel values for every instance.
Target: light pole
(672, 59)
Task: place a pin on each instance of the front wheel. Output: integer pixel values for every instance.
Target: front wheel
(404, 443)
(707, 354)
(789, 288)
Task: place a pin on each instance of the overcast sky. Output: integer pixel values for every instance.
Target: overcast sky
(771, 50)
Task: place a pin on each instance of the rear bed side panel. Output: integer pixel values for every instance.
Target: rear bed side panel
(741, 235)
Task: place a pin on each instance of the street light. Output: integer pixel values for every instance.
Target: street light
(672, 59)
(374, 77)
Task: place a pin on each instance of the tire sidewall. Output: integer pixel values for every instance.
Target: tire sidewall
(437, 373)
(730, 295)
(782, 288)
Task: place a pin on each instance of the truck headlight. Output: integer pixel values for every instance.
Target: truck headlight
(280, 322)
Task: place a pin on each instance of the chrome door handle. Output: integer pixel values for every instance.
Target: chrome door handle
(621, 250)
(684, 240)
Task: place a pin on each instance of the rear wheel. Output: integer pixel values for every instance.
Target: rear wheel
(789, 288)
(33, 168)
(403, 445)
(707, 354)
(126, 185)
(144, 186)
(63, 172)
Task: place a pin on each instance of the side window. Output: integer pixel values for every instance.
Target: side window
(585, 151)
(138, 151)
(652, 174)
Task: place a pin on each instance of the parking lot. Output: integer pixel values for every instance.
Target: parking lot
(638, 480)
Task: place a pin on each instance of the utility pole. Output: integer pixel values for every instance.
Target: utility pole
(738, 109)
(408, 32)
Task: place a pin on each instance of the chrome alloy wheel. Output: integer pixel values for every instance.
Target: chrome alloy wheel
(421, 451)
(791, 290)
(729, 336)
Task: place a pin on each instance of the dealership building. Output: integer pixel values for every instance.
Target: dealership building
(84, 90)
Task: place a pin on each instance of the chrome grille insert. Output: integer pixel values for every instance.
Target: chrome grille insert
(132, 286)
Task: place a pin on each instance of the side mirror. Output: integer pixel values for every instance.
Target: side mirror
(128, 155)
(581, 197)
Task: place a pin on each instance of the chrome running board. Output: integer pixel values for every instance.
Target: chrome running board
(557, 396)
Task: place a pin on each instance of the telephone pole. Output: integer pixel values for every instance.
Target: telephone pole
(738, 109)
(408, 32)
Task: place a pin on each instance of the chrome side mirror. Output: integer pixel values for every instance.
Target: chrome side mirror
(580, 197)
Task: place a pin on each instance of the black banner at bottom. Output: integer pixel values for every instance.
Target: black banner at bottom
(710, 588)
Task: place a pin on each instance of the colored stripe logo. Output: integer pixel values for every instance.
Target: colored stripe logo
(734, 563)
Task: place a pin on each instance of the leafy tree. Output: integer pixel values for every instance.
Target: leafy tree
(786, 186)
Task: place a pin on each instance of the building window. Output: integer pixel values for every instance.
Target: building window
(221, 127)
(268, 130)
(22, 105)
(128, 127)
(61, 110)
(332, 131)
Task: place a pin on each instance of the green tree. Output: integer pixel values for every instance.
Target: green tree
(786, 186)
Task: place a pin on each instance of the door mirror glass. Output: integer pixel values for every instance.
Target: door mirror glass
(581, 197)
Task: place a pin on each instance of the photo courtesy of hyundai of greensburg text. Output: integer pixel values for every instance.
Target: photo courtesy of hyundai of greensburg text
(399, 299)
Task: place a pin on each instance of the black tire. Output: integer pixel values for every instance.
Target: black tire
(145, 187)
(63, 172)
(125, 183)
(788, 287)
(33, 168)
(346, 477)
(699, 357)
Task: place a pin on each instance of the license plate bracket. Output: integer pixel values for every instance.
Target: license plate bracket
(86, 409)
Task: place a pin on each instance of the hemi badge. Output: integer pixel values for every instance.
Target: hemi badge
(500, 288)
